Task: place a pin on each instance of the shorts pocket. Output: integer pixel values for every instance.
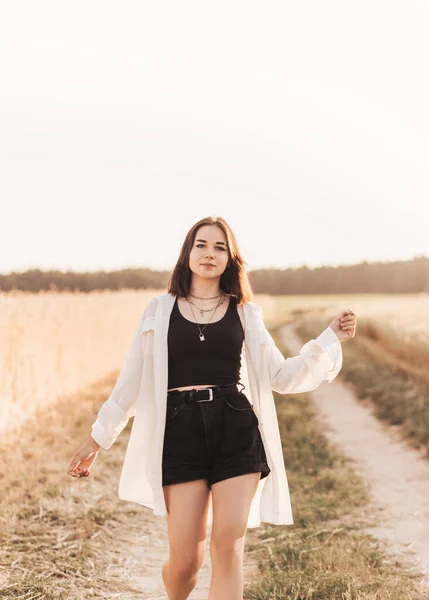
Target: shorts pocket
(172, 412)
(238, 402)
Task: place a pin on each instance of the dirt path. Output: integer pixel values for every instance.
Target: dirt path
(398, 475)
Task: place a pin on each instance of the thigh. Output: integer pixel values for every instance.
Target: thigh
(231, 500)
(187, 511)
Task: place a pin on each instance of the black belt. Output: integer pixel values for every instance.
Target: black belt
(203, 395)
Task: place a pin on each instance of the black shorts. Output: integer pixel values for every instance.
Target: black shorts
(211, 439)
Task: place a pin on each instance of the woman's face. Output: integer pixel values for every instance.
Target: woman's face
(210, 248)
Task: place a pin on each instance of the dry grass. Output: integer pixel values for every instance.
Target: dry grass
(64, 538)
(55, 344)
(56, 532)
(393, 377)
(398, 323)
(324, 555)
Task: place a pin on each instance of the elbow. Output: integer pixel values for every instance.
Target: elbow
(292, 376)
(294, 387)
(296, 375)
(319, 360)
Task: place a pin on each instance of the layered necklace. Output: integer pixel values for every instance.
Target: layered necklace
(221, 300)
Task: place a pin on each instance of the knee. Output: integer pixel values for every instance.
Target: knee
(184, 568)
(226, 551)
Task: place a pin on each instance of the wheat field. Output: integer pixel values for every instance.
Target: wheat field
(56, 344)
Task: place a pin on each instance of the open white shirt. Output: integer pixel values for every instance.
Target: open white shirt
(141, 392)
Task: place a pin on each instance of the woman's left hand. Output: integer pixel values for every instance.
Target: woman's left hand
(345, 325)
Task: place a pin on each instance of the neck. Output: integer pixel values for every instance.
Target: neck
(205, 288)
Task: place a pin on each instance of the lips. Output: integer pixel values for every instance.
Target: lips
(207, 265)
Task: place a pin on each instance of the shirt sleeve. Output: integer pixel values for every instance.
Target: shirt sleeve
(319, 360)
(121, 404)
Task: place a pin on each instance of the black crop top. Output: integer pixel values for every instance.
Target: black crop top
(214, 361)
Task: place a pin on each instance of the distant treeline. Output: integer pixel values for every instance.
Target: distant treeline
(411, 276)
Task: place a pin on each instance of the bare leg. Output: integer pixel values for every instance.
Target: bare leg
(231, 504)
(178, 584)
(187, 511)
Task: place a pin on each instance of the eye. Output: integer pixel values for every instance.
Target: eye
(217, 247)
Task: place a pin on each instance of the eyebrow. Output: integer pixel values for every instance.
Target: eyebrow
(223, 243)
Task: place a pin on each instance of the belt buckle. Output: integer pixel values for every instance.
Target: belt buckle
(210, 390)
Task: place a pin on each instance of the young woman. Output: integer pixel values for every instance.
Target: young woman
(201, 451)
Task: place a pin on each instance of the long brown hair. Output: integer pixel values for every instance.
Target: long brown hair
(234, 280)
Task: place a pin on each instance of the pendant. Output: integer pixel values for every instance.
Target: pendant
(202, 313)
(202, 338)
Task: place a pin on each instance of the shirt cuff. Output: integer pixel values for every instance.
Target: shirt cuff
(329, 341)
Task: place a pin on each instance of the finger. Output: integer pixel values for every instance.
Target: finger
(73, 472)
(75, 462)
(75, 467)
(78, 474)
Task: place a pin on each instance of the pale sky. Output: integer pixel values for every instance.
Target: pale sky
(304, 124)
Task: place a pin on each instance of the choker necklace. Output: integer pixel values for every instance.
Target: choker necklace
(202, 298)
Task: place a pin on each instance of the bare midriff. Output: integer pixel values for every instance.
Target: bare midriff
(191, 387)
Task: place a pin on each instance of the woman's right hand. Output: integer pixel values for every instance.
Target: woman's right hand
(82, 460)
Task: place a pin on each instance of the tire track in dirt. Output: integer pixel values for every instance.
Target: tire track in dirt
(398, 474)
